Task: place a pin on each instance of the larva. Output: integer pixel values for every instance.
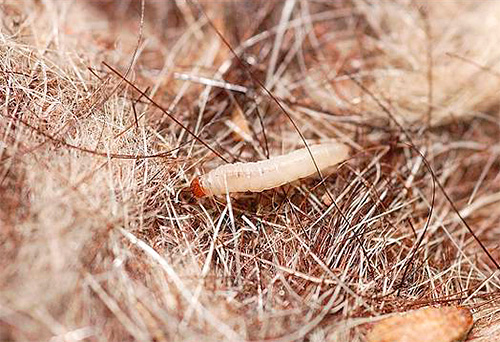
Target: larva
(445, 324)
(270, 173)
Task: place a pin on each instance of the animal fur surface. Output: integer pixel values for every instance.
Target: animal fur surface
(110, 108)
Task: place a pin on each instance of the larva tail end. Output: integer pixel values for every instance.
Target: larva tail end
(197, 189)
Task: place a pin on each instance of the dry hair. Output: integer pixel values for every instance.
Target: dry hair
(110, 108)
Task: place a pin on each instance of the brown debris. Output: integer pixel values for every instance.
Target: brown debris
(445, 324)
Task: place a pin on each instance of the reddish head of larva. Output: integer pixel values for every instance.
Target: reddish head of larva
(197, 189)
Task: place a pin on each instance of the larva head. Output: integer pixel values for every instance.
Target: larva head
(197, 188)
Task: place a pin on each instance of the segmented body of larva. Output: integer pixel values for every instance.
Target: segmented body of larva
(270, 173)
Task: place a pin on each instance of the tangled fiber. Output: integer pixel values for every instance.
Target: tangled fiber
(109, 109)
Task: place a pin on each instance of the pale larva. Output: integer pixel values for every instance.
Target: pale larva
(270, 173)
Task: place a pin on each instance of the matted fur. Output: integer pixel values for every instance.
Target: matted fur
(102, 240)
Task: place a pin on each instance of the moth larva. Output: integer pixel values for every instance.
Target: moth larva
(270, 173)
